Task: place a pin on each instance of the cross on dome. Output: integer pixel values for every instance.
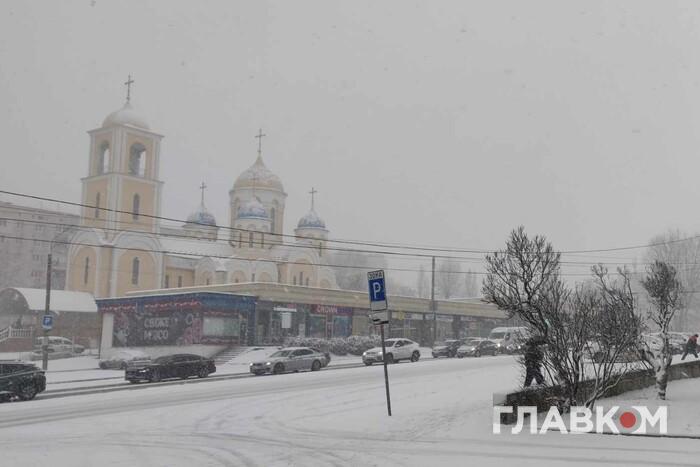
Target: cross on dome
(128, 84)
(312, 193)
(203, 187)
(259, 137)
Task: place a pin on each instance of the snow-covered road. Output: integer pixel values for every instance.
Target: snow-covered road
(442, 416)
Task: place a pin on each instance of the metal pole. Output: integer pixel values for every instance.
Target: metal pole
(432, 302)
(386, 373)
(47, 308)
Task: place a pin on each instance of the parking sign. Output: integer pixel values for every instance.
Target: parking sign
(47, 322)
(377, 297)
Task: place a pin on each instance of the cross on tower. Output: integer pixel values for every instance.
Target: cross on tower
(128, 84)
(260, 136)
(312, 193)
(203, 187)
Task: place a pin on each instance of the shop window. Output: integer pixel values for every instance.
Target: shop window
(215, 326)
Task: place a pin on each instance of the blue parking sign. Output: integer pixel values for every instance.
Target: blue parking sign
(47, 322)
(377, 291)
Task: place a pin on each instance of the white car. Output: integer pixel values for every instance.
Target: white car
(396, 349)
(58, 345)
(123, 358)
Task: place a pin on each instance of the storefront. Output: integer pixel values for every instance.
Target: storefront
(178, 320)
(329, 321)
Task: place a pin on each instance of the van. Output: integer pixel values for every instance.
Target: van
(508, 336)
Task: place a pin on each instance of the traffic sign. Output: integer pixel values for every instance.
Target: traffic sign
(47, 322)
(377, 297)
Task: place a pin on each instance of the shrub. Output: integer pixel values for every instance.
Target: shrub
(353, 345)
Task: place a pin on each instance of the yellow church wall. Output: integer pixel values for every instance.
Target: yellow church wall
(173, 274)
(264, 277)
(146, 192)
(105, 271)
(239, 276)
(92, 187)
(147, 278)
(76, 280)
(308, 271)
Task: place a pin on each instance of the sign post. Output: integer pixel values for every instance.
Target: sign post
(379, 315)
(47, 321)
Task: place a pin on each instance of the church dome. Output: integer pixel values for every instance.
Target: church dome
(311, 220)
(202, 217)
(258, 176)
(125, 116)
(253, 209)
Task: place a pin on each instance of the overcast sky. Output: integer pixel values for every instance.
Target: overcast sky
(442, 123)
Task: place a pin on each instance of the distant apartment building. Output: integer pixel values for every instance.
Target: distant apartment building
(25, 241)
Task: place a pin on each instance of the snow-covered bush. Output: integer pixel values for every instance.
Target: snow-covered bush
(353, 345)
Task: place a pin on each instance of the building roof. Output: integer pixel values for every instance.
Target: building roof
(258, 175)
(311, 220)
(125, 116)
(61, 300)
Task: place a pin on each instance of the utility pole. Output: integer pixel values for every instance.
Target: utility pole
(432, 302)
(47, 310)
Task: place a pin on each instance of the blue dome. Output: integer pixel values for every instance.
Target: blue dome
(311, 220)
(202, 217)
(253, 209)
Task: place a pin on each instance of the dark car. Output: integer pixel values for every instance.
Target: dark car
(477, 348)
(171, 366)
(448, 349)
(19, 380)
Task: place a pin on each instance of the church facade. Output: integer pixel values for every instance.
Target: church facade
(124, 245)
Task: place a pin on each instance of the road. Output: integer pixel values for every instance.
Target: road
(442, 416)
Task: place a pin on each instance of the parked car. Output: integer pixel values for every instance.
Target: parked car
(290, 359)
(396, 349)
(58, 344)
(19, 380)
(171, 366)
(477, 348)
(325, 354)
(448, 349)
(505, 336)
(121, 359)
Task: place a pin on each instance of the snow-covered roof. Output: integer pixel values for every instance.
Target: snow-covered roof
(125, 116)
(201, 218)
(258, 175)
(61, 300)
(189, 247)
(253, 209)
(311, 220)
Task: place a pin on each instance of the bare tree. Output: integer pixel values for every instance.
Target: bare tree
(471, 285)
(422, 284)
(352, 268)
(683, 252)
(664, 291)
(448, 280)
(524, 281)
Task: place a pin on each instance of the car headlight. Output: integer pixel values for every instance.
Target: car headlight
(268, 363)
(364, 354)
(250, 364)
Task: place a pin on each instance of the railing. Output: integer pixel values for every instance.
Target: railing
(12, 333)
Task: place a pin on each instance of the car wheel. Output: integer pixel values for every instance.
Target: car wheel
(459, 355)
(103, 366)
(435, 356)
(155, 377)
(27, 392)
(389, 358)
(495, 353)
(368, 363)
(316, 365)
(477, 354)
(279, 368)
(133, 381)
(203, 373)
(415, 356)
(123, 366)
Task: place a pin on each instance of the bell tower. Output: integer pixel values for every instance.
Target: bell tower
(123, 173)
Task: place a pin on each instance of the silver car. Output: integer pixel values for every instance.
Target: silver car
(290, 359)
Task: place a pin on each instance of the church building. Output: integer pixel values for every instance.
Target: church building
(124, 246)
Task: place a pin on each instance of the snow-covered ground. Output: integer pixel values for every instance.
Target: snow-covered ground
(442, 416)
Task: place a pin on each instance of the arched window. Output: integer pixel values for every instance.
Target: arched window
(252, 277)
(294, 280)
(272, 219)
(208, 280)
(103, 158)
(250, 239)
(86, 270)
(137, 159)
(307, 281)
(97, 206)
(167, 281)
(135, 271)
(301, 277)
(135, 207)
